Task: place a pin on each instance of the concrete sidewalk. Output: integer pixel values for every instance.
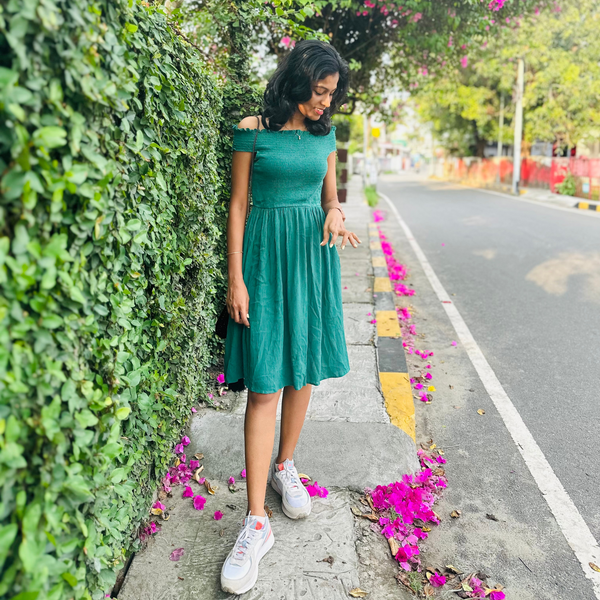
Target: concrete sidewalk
(347, 443)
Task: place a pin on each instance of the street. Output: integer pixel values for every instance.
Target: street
(526, 280)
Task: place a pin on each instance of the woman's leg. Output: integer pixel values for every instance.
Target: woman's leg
(259, 436)
(293, 412)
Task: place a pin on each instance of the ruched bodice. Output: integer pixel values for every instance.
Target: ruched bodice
(290, 165)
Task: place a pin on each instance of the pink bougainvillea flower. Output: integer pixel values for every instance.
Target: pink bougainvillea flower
(218, 515)
(210, 396)
(417, 17)
(464, 61)
(243, 474)
(182, 458)
(179, 449)
(373, 321)
(345, 287)
(497, 595)
(418, 386)
(185, 440)
(437, 580)
(286, 40)
(159, 505)
(187, 493)
(176, 554)
(194, 464)
(314, 489)
(194, 409)
(368, 314)
(199, 502)
(201, 480)
(231, 480)
(441, 460)
(423, 397)
(221, 378)
(428, 376)
(383, 521)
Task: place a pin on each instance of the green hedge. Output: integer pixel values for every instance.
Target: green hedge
(109, 141)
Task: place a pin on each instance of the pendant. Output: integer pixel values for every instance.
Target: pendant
(298, 136)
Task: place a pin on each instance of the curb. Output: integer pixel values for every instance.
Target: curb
(391, 359)
(587, 206)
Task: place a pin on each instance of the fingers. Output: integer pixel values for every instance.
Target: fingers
(325, 235)
(334, 238)
(345, 239)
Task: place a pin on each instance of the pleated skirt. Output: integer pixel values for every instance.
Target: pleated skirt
(296, 334)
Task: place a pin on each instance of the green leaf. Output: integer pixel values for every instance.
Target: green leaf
(133, 224)
(8, 533)
(50, 137)
(52, 322)
(86, 418)
(26, 596)
(122, 413)
(118, 475)
(70, 579)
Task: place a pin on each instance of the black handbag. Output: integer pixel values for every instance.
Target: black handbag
(223, 320)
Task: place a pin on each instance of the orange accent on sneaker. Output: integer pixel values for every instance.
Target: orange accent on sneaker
(280, 467)
(258, 526)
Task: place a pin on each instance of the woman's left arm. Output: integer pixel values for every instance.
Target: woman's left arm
(334, 220)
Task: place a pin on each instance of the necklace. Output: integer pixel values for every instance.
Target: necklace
(297, 131)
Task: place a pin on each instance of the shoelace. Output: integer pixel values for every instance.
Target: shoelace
(247, 537)
(290, 476)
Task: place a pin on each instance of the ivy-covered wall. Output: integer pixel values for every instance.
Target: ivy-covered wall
(109, 265)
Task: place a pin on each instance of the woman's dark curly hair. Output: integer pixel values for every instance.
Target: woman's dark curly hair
(292, 84)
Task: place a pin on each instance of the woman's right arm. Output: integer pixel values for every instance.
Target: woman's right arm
(238, 300)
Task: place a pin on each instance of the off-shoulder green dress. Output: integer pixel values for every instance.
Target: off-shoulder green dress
(296, 334)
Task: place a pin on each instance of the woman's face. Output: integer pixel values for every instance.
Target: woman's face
(323, 91)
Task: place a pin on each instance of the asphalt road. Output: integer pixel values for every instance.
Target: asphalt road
(526, 280)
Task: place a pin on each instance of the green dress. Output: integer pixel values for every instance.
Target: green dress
(296, 334)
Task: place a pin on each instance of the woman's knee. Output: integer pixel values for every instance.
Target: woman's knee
(263, 400)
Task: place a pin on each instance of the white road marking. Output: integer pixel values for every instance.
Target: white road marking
(570, 521)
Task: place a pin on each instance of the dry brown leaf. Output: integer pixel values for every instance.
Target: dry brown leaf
(394, 546)
(428, 590)
(268, 511)
(455, 514)
(402, 578)
(328, 559)
(211, 489)
(453, 569)
(221, 532)
(595, 567)
(197, 472)
(426, 529)
(156, 511)
(358, 593)
(165, 516)
(199, 456)
(440, 452)
(370, 501)
(177, 462)
(439, 472)
(356, 511)
(481, 411)
(451, 387)
(363, 500)
(433, 446)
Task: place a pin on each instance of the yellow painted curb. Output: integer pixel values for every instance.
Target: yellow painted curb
(583, 205)
(399, 401)
(382, 284)
(379, 261)
(387, 324)
(375, 245)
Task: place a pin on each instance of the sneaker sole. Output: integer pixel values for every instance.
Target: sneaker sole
(266, 547)
(290, 511)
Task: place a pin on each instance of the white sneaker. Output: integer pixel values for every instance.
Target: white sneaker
(240, 569)
(285, 481)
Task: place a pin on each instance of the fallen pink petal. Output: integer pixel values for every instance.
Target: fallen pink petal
(218, 515)
(221, 378)
(176, 554)
(187, 493)
(231, 480)
(159, 505)
(243, 474)
(437, 580)
(185, 440)
(199, 502)
(454, 343)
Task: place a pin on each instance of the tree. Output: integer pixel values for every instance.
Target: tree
(560, 47)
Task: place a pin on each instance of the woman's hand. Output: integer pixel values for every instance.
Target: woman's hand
(238, 302)
(334, 224)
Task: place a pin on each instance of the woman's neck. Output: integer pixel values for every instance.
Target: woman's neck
(296, 121)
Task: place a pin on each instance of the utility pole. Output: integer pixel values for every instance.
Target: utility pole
(365, 143)
(500, 128)
(518, 128)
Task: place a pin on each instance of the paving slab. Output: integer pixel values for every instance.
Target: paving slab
(303, 544)
(357, 324)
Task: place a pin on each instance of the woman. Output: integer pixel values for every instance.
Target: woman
(285, 329)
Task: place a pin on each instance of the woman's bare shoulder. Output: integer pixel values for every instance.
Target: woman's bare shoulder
(249, 123)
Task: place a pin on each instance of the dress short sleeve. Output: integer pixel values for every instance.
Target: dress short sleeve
(332, 140)
(243, 139)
